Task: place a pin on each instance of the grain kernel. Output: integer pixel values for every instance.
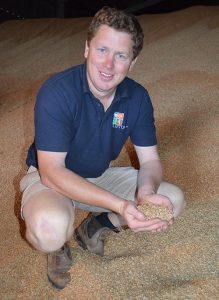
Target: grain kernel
(155, 211)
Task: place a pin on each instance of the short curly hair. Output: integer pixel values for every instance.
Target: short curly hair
(121, 21)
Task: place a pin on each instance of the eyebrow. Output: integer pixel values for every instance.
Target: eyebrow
(117, 51)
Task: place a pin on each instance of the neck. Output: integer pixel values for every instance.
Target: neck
(106, 100)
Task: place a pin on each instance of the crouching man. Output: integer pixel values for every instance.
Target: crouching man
(83, 117)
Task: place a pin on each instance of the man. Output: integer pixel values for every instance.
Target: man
(83, 117)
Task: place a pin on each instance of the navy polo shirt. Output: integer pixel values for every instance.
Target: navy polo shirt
(68, 118)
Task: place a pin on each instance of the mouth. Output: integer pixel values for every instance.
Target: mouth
(106, 76)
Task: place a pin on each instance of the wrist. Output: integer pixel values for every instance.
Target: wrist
(144, 196)
(117, 206)
(145, 192)
(120, 207)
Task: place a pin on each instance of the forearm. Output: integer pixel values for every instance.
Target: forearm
(75, 187)
(149, 177)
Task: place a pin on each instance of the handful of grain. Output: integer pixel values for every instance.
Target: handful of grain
(155, 211)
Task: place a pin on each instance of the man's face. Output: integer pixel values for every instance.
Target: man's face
(109, 58)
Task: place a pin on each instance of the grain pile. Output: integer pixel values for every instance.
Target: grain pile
(180, 263)
(152, 211)
(179, 66)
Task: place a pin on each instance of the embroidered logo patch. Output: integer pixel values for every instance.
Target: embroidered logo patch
(118, 120)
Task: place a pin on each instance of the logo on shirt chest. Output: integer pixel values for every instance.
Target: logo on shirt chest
(118, 120)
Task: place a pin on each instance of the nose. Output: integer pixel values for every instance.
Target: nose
(109, 62)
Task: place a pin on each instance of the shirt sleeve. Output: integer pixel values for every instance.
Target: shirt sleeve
(144, 131)
(53, 120)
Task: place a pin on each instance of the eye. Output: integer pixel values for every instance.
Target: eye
(101, 50)
(121, 56)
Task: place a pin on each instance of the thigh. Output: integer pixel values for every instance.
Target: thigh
(120, 181)
(47, 204)
(37, 194)
(175, 194)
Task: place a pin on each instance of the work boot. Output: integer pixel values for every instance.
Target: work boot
(91, 235)
(59, 263)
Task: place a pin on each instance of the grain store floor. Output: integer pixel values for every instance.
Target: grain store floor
(179, 66)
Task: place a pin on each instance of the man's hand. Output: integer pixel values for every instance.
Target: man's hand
(136, 220)
(149, 179)
(157, 199)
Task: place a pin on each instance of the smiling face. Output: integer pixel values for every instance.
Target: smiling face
(109, 58)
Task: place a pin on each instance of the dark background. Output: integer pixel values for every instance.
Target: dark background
(26, 9)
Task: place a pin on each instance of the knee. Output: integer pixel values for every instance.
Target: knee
(178, 200)
(48, 231)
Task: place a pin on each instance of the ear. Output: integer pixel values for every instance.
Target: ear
(132, 64)
(86, 50)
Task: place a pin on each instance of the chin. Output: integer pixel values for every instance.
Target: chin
(105, 88)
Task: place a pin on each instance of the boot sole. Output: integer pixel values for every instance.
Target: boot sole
(57, 287)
